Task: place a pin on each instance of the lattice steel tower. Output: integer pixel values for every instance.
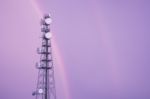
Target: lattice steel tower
(46, 82)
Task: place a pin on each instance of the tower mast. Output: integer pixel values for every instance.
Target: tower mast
(46, 82)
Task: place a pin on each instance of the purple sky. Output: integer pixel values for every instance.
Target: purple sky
(104, 47)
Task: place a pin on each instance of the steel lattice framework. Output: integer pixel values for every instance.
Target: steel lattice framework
(46, 82)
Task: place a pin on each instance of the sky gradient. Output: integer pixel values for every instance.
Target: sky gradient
(101, 48)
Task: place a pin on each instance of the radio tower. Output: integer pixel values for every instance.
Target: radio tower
(46, 82)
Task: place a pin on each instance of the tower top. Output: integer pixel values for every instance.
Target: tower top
(46, 20)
